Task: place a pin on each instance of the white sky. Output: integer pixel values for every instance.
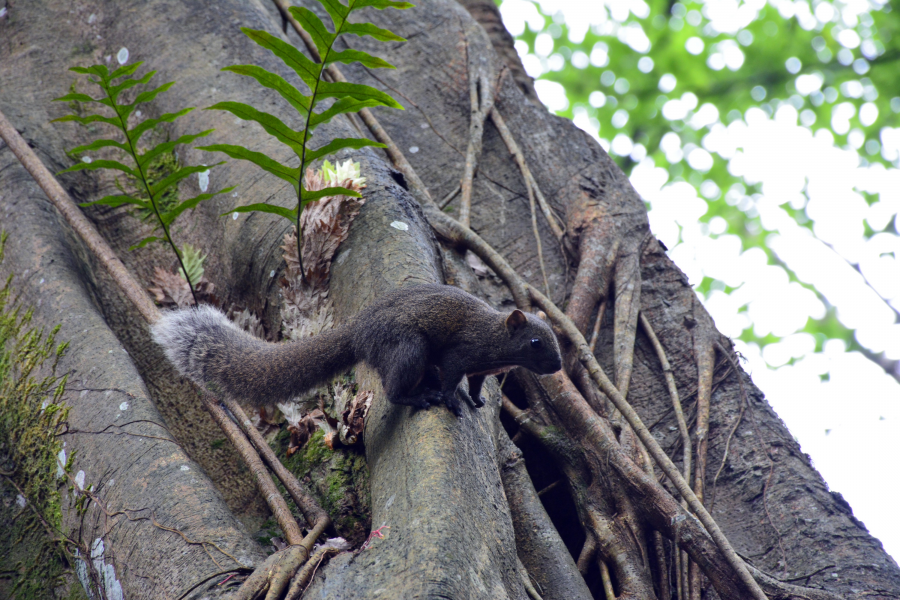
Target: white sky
(843, 409)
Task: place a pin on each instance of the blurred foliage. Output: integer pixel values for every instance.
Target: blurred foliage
(648, 71)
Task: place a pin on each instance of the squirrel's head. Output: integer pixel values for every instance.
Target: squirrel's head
(534, 343)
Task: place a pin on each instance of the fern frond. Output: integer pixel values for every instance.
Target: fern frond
(192, 259)
(151, 197)
(349, 97)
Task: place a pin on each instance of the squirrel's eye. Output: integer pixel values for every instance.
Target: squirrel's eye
(536, 343)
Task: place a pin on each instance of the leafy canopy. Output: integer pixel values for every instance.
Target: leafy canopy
(348, 98)
(147, 194)
(663, 84)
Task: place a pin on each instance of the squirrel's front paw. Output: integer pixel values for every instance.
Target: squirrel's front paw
(453, 404)
(430, 398)
(477, 401)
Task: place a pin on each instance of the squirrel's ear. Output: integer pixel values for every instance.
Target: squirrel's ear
(515, 321)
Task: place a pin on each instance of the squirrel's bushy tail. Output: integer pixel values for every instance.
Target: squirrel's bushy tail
(212, 351)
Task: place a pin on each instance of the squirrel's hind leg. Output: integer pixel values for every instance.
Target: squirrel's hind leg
(475, 383)
(403, 369)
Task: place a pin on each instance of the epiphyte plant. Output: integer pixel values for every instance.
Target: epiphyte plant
(157, 199)
(348, 98)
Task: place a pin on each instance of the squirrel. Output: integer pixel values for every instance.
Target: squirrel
(420, 339)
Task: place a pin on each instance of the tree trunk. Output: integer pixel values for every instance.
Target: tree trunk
(174, 507)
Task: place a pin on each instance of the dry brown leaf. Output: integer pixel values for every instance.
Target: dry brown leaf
(171, 290)
(247, 321)
(303, 429)
(354, 418)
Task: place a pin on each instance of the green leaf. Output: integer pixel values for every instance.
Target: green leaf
(322, 38)
(339, 89)
(144, 242)
(306, 69)
(274, 82)
(361, 29)
(351, 56)
(290, 215)
(148, 95)
(135, 133)
(161, 186)
(98, 70)
(381, 4)
(117, 200)
(193, 264)
(259, 159)
(336, 10)
(330, 191)
(115, 90)
(342, 105)
(272, 124)
(125, 71)
(90, 119)
(339, 144)
(149, 155)
(173, 214)
(96, 145)
(75, 97)
(100, 164)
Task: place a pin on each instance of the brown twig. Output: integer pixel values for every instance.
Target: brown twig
(704, 353)
(595, 332)
(593, 367)
(265, 484)
(681, 559)
(448, 198)
(607, 581)
(737, 422)
(76, 219)
(451, 230)
(307, 505)
(550, 487)
(587, 554)
(481, 100)
(537, 239)
(530, 182)
(526, 581)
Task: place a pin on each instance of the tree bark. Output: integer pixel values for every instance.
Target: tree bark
(460, 507)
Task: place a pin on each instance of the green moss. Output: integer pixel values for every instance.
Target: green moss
(32, 558)
(338, 479)
(217, 444)
(313, 453)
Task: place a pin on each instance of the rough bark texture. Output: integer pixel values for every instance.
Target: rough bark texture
(435, 480)
(124, 451)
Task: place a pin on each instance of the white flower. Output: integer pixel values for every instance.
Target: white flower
(337, 174)
(292, 412)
